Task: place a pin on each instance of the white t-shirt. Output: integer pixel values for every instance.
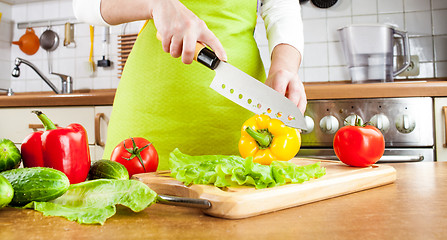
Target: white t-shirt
(282, 20)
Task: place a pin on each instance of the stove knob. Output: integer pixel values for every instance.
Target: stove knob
(329, 124)
(405, 123)
(381, 122)
(310, 125)
(351, 119)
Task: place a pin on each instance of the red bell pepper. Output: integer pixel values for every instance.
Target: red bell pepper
(64, 149)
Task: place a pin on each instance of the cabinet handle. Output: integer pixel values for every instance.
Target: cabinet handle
(98, 117)
(37, 126)
(444, 109)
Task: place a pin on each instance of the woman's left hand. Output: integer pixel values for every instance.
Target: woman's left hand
(283, 75)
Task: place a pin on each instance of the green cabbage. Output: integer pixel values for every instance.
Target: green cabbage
(225, 171)
(94, 201)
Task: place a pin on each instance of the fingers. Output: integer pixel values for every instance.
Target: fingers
(289, 85)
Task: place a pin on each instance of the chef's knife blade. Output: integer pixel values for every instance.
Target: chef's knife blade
(248, 92)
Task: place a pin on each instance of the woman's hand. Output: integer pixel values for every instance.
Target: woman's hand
(180, 29)
(283, 75)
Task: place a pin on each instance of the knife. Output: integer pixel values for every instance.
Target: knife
(247, 91)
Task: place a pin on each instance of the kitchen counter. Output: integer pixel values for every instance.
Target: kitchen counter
(336, 90)
(414, 207)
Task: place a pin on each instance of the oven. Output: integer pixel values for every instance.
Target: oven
(406, 124)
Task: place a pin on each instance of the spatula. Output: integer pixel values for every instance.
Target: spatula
(247, 91)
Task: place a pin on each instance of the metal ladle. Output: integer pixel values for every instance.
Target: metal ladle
(49, 40)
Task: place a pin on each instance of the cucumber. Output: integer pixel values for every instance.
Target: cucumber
(108, 169)
(10, 157)
(38, 184)
(6, 191)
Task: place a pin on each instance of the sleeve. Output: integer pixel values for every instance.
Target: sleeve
(89, 11)
(283, 23)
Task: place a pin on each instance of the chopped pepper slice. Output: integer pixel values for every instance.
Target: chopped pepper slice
(268, 140)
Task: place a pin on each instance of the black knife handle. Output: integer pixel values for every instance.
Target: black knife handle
(207, 57)
(203, 55)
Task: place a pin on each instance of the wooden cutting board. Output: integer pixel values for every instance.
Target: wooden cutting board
(243, 202)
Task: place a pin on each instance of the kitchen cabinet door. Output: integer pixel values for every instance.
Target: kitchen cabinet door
(102, 116)
(17, 123)
(441, 128)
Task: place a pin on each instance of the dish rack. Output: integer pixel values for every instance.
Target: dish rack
(125, 45)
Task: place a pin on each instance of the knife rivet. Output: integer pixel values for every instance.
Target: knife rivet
(269, 110)
(279, 114)
(231, 90)
(240, 96)
(259, 105)
(249, 101)
(290, 117)
(223, 86)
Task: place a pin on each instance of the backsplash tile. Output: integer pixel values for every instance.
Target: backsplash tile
(425, 20)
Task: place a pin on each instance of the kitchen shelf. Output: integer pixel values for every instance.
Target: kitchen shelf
(46, 23)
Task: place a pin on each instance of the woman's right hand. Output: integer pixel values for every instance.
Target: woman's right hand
(181, 29)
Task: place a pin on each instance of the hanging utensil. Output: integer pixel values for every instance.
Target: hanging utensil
(29, 42)
(69, 35)
(49, 40)
(324, 3)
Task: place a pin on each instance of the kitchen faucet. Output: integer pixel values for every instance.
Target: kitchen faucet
(67, 81)
(8, 91)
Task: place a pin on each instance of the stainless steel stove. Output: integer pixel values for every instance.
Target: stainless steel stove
(406, 124)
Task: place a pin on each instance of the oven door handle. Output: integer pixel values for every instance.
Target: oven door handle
(384, 158)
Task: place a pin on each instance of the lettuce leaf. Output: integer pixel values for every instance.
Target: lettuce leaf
(225, 171)
(92, 202)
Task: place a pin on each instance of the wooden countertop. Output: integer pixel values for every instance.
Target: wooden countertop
(428, 88)
(414, 207)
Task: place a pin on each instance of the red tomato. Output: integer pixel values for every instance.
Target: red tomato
(137, 154)
(359, 146)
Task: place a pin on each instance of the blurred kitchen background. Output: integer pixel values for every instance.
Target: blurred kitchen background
(425, 21)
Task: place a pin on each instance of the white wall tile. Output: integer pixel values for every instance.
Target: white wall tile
(51, 10)
(394, 19)
(309, 11)
(365, 19)
(316, 74)
(441, 69)
(364, 7)
(390, 6)
(317, 55)
(440, 48)
(335, 23)
(19, 13)
(423, 47)
(416, 5)
(439, 4)
(339, 74)
(340, 9)
(335, 54)
(315, 30)
(35, 11)
(440, 22)
(426, 70)
(418, 23)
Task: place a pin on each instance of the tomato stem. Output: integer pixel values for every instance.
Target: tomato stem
(262, 137)
(135, 152)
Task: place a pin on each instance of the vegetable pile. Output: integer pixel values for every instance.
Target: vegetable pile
(225, 171)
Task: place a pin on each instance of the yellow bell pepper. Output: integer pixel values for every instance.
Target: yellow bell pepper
(267, 140)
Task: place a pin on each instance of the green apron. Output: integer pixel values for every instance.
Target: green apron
(170, 103)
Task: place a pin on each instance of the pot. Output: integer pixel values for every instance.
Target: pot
(29, 42)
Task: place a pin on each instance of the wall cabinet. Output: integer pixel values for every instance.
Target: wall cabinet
(17, 123)
(440, 108)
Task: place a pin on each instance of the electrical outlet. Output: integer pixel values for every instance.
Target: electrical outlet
(413, 69)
